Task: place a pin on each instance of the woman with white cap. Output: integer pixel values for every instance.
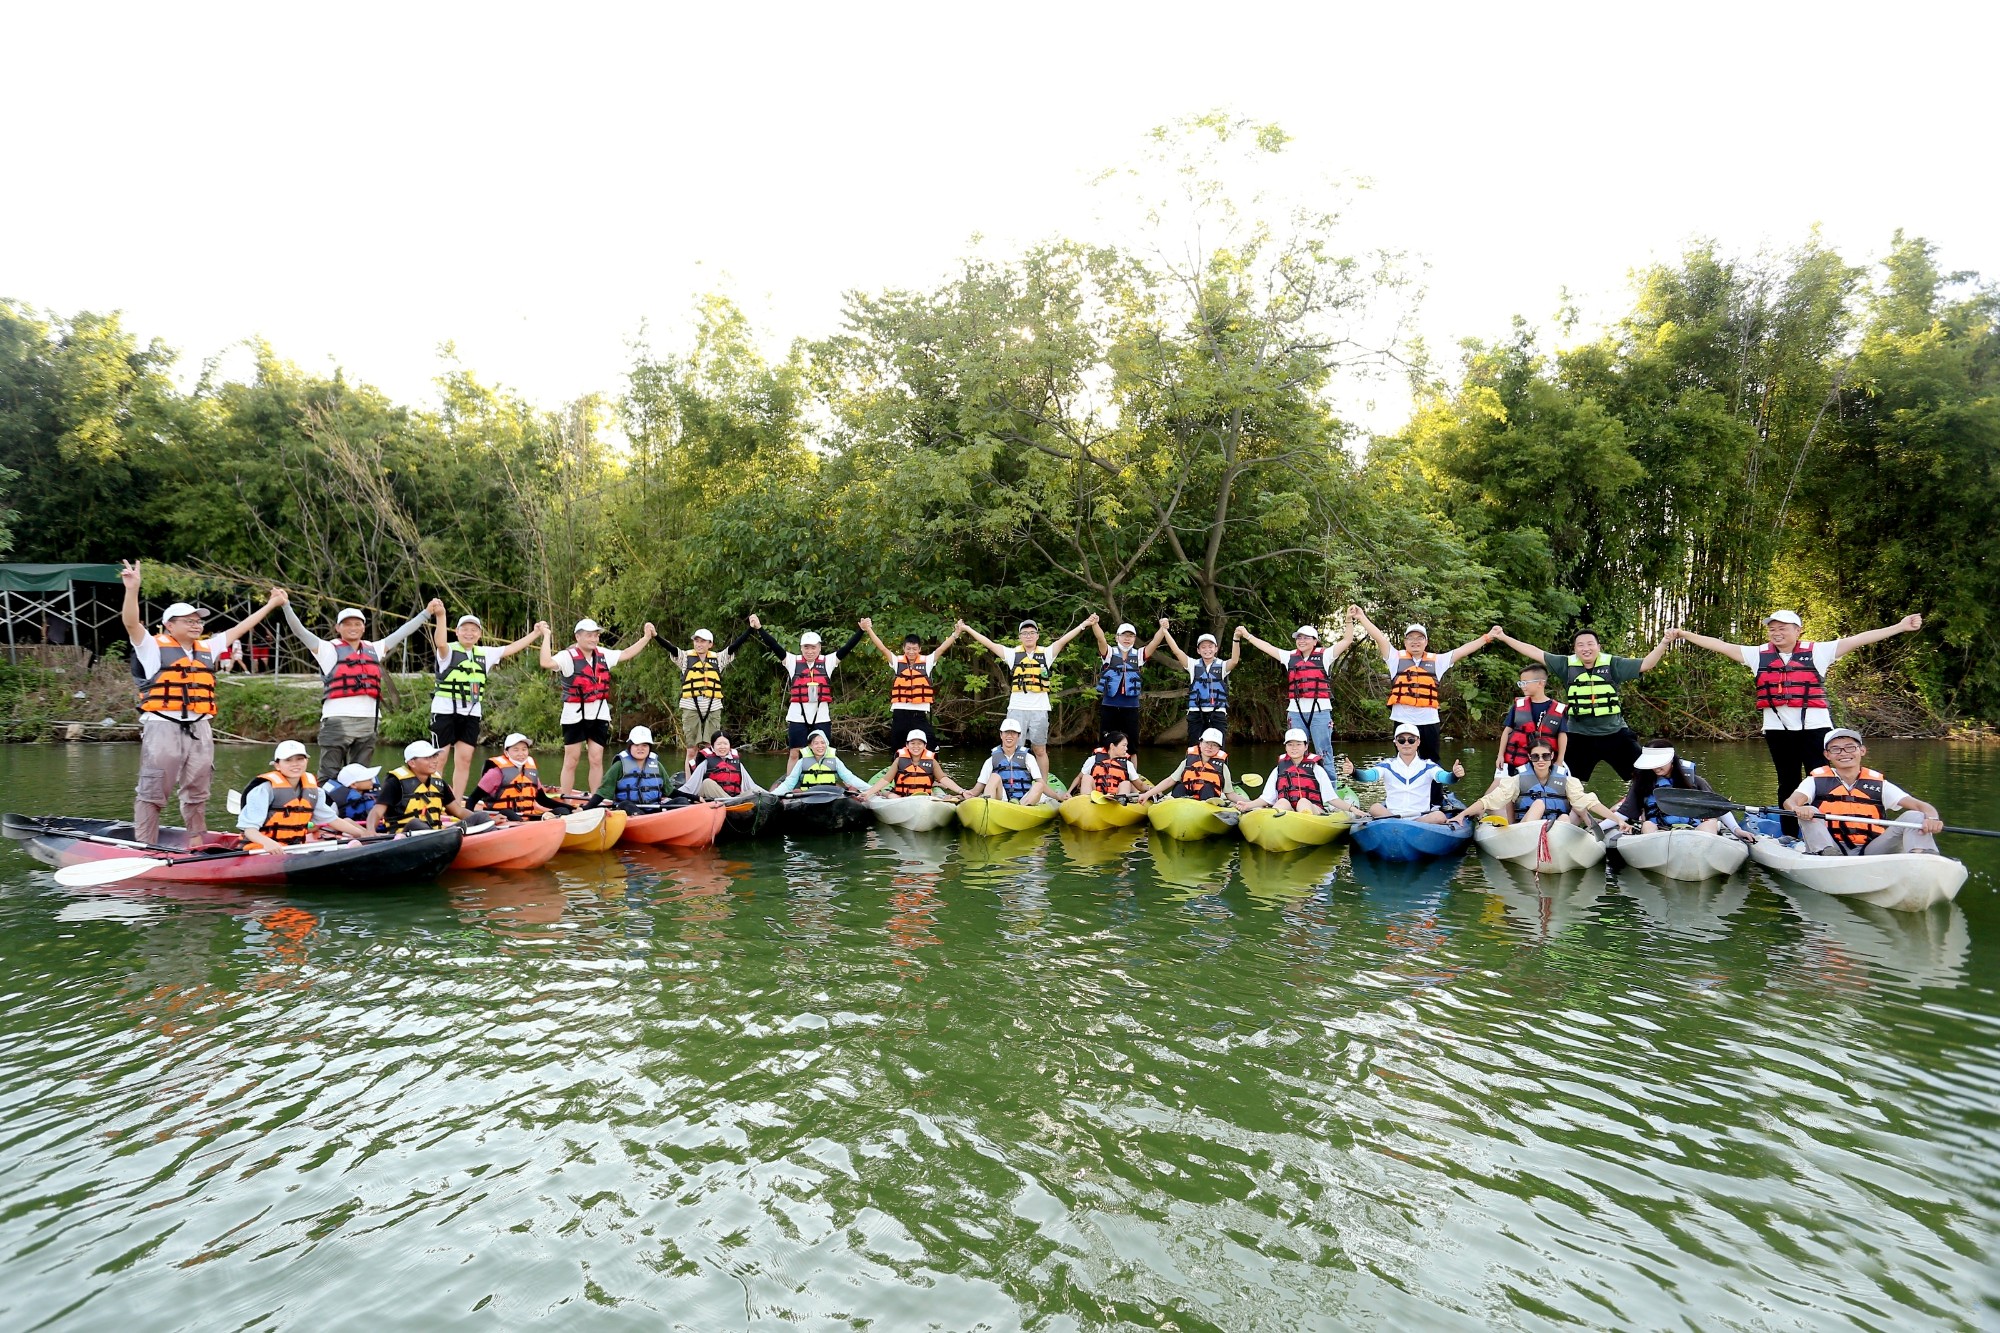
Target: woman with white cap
(818, 766)
(281, 808)
(1208, 680)
(1414, 675)
(1118, 684)
(701, 667)
(1789, 676)
(457, 707)
(1202, 776)
(511, 787)
(1410, 782)
(351, 667)
(914, 770)
(808, 684)
(585, 669)
(1657, 767)
(1308, 680)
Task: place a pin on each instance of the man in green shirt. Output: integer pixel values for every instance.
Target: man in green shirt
(1590, 680)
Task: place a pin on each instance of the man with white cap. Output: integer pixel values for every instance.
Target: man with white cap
(1414, 675)
(416, 795)
(1031, 670)
(353, 792)
(175, 672)
(1011, 772)
(281, 808)
(911, 691)
(1410, 782)
(457, 700)
(1301, 781)
(1208, 680)
(585, 669)
(808, 684)
(701, 668)
(1789, 676)
(511, 787)
(1841, 786)
(1202, 776)
(915, 770)
(1118, 685)
(1308, 680)
(350, 668)
(818, 766)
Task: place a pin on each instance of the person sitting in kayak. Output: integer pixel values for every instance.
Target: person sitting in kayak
(1843, 787)
(1409, 782)
(1202, 776)
(281, 808)
(1658, 766)
(1544, 790)
(915, 770)
(1300, 781)
(510, 786)
(1110, 771)
(911, 691)
(416, 795)
(353, 792)
(818, 769)
(1011, 773)
(717, 773)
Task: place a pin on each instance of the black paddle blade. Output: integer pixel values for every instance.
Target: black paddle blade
(1693, 804)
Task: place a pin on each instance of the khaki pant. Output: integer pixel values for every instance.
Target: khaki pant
(170, 756)
(344, 741)
(698, 729)
(1907, 836)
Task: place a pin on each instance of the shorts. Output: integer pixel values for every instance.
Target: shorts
(1034, 727)
(596, 730)
(449, 729)
(699, 729)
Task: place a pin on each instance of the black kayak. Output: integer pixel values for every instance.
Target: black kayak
(60, 841)
(819, 812)
(747, 817)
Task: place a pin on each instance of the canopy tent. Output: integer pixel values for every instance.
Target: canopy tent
(53, 578)
(43, 603)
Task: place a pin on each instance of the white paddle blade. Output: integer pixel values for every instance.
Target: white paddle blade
(90, 874)
(1251, 780)
(234, 801)
(585, 821)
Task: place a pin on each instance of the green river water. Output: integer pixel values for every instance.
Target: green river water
(912, 1081)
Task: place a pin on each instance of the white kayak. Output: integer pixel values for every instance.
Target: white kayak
(1554, 845)
(1683, 853)
(914, 812)
(1903, 881)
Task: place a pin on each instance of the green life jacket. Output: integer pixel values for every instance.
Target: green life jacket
(1590, 691)
(461, 682)
(819, 772)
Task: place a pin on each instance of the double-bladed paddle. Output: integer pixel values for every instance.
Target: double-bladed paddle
(90, 874)
(1691, 804)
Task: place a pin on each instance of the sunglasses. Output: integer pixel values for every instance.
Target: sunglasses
(1541, 754)
(1408, 740)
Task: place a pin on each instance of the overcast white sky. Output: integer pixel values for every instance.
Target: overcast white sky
(359, 183)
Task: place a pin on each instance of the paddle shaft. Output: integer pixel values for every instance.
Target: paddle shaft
(1707, 803)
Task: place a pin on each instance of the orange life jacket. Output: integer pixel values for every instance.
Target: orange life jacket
(1790, 681)
(914, 775)
(290, 817)
(1201, 778)
(912, 686)
(1862, 799)
(1416, 683)
(1107, 775)
(185, 682)
(518, 785)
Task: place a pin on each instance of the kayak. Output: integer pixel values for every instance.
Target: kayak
(984, 815)
(1547, 844)
(1409, 839)
(1903, 881)
(747, 817)
(1289, 830)
(914, 812)
(1094, 813)
(595, 830)
(1543, 903)
(1279, 878)
(1201, 864)
(1683, 853)
(499, 846)
(691, 825)
(348, 865)
(1188, 819)
(821, 811)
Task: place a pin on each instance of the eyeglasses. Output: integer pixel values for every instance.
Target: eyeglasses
(1843, 747)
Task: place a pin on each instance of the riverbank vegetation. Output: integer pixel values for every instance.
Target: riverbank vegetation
(1143, 429)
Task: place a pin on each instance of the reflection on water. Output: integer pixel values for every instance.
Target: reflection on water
(1049, 1080)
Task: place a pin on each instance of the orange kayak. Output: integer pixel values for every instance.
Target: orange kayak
(511, 846)
(683, 826)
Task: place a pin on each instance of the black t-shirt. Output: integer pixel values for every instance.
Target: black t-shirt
(392, 793)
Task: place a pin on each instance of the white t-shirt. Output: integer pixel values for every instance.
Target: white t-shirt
(821, 710)
(1326, 790)
(147, 654)
(1892, 795)
(590, 712)
(445, 703)
(1787, 719)
(1024, 754)
(1087, 780)
(929, 663)
(1422, 717)
(1018, 702)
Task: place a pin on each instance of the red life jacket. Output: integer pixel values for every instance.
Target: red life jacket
(1299, 781)
(1789, 682)
(356, 674)
(1201, 779)
(1834, 798)
(1416, 683)
(725, 773)
(1306, 678)
(589, 680)
(1524, 729)
(1107, 775)
(804, 676)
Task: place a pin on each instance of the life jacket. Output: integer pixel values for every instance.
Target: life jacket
(356, 674)
(914, 775)
(1590, 691)
(1415, 684)
(185, 682)
(1306, 680)
(589, 680)
(290, 818)
(818, 772)
(701, 679)
(1653, 811)
(810, 681)
(1525, 729)
(1208, 686)
(518, 785)
(352, 805)
(1120, 677)
(1863, 800)
(645, 782)
(1031, 673)
(1107, 775)
(1790, 681)
(462, 680)
(1201, 778)
(1553, 794)
(912, 686)
(422, 798)
(1299, 781)
(1013, 773)
(725, 773)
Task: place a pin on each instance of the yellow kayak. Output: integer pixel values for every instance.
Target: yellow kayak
(593, 830)
(1189, 820)
(1287, 831)
(984, 815)
(1094, 813)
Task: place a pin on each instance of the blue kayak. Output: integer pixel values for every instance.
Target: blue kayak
(1410, 840)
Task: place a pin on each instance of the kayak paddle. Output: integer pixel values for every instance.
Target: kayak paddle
(1708, 805)
(90, 874)
(585, 821)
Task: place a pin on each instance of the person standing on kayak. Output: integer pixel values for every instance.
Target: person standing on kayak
(914, 771)
(456, 701)
(1300, 781)
(351, 668)
(281, 808)
(1118, 683)
(1011, 773)
(1308, 680)
(1414, 675)
(416, 795)
(1790, 681)
(1030, 673)
(818, 767)
(585, 668)
(1598, 732)
(701, 668)
(1208, 680)
(808, 685)
(911, 692)
(1842, 786)
(511, 788)
(176, 677)
(1532, 717)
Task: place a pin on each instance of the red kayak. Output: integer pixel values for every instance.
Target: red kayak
(217, 859)
(511, 846)
(681, 826)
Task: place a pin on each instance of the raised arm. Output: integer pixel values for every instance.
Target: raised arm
(945, 647)
(1356, 616)
(1728, 650)
(439, 637)
(738, 642)
(548, 659)
(981, 639)
(312, 641)
(1235, 654)
(1907, 625)
(1652, 659)
(1089, 622)
(1340, 646)
(848, 647)
(1527, 650)
(1471, 646)
(626, 655)
(540, 628)
(242, 627)
(128, 611)
(1244, 635)
(1159, 636)
(1167, 636)
(868, 628)
(1103, 644)
(434, 607)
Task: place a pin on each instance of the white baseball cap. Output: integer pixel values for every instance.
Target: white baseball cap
(640, 736)
(1212, 734)
(349, 613)
(1653, 758)
(514, 738)
(1842, 734)
(289, 750)
(354, 773)
(1306, 630)
(420, 750)
(810, 636)
(1012, 724)
(1127, 629)
(472, 620)
(1406, 729)
(817, 735)
(179, 609)
(1029, 624)
(1414, 628)
(1298, 734)
(1783, 618)
(916, 734)
(704, 634)
(587, 626)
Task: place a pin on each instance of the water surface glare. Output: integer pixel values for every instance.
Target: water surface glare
(1060, 1081)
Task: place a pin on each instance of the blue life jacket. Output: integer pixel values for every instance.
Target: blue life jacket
(639, 784)
(1553, 794)
(351, 804)
(1653, 807)
(1118, 683)
(1013, 773)
(1208, 686)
